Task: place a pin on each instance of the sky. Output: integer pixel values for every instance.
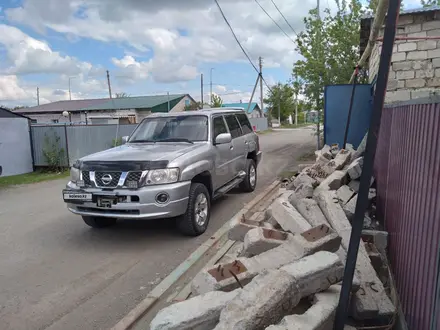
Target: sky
(148, 46)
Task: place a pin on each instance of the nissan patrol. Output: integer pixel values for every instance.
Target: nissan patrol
(172, 165)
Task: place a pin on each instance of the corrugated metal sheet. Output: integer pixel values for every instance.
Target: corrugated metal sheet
(43, 137)
(407, 167)
(259, 124)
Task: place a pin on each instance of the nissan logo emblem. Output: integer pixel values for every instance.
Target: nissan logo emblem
(106, 179)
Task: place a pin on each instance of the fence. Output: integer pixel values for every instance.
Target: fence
(407, 169)
(75, 142)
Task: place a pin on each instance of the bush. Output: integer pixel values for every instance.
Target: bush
(52, 152)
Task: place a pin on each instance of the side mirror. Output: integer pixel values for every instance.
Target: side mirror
(223, 138)
(124, 139)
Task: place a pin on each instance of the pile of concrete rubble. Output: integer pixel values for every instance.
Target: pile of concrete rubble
(286, 270)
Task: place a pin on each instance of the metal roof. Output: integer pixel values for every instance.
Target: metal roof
(242, 105)
(411, 11)
(60, 106)
(134, 102)
(5, 113)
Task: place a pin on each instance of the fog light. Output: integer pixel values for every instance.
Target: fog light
(132, 184)
(162, 198)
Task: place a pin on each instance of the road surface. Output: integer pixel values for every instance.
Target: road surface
(57, 273)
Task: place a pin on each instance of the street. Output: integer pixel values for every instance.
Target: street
(57, 273)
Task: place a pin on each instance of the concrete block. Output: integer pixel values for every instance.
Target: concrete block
(316, 172)
(421, 65)
(415, 83)
(398, 96)
(417, 55)
(405, 74)
(302, 167)
(413, 28)
(431, 25)
(350, 207)
(200, 312)
(433, 33)
(406, 65)
(259, 240)
(273, 294)
(287, 216)
(319, 316)
(239, 229)
(407, 46)
(332, 182)
(310, 210)
(422, 74)
(436, 62)
(398, 57)
(304, 191)
(434, 82)
(355, 168)
(371, 299)
(426, 44)
(378, 238)
(345, 193)
(341, 159)
(304, 179)
(223, 276)
(434, 53)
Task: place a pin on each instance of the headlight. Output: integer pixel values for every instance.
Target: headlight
(162, 176)
(75, 174)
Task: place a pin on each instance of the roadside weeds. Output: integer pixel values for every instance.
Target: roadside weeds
(33, 177)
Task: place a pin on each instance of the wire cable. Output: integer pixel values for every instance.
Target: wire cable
(275, 22)
(273, 2)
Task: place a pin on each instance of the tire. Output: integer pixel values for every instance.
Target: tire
(250, 181)
(99, 222)
(189, 223)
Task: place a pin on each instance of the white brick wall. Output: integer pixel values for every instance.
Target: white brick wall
(415, 64)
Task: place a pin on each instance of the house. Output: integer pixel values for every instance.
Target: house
(254, 110)
(124, 110)
(415, 64)
(15, 143)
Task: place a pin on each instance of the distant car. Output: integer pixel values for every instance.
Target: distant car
(275, 123)
(172, 165)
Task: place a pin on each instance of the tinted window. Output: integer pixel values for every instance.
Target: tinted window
(245, 124)
(219, 126)
(234, 126)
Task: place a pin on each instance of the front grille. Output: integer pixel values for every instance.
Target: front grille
(86, 178)
(100, 179)
(134, 176)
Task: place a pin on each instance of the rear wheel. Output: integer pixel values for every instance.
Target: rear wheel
(196, 218)
(250, 181)
(99, 222)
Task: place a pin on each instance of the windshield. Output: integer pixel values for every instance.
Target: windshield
(172, 129)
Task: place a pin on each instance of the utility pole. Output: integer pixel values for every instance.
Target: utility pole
(296, 108)
(279, 107)
(38, 96)
(210, 83)
(260, 61)
(201, 88)
(70, 93)
(109, 85)
(318, 92)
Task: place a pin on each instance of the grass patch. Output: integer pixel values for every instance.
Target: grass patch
(34, 177)
(307, 156)
(264, 132)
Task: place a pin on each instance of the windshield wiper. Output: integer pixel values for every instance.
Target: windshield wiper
(175, 140)
(142, 141)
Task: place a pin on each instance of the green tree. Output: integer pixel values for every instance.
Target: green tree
(193, 106)
(216, 101)
(330, 49)
(121, 95)
(281, 94)
(430, 3)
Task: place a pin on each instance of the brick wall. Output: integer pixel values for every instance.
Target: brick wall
(415, 64)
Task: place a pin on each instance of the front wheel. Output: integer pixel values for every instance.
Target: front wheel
(250, 181)
(196, 218)
(99, 222)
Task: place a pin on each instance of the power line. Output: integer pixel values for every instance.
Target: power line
(275, 22)
(273, 2)
(239, 44)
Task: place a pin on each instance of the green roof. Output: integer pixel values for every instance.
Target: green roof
(139, 102)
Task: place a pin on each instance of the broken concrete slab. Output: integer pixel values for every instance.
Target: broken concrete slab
(200, 312)
(287, 216)
(333, 182)
(350, 207)
(341, 159)
(345, 193)
(354, 184)
(316, 172)
(371, 299)
(354, 170)
(274, 293)
(371, 194)
(319, 316)
(310, 210)
(224, 276)
(304, 191)
(378, 238)
(304, 179)
(259, 240)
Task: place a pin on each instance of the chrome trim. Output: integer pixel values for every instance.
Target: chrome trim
(122, 179)
(92, 178)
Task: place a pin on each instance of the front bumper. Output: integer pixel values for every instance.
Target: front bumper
(132, 204)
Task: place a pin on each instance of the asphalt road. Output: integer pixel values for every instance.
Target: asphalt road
(57, 273)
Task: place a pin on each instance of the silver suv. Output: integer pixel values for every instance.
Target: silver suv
(172, 165)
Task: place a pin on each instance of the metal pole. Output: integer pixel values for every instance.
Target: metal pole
(168, 94)
(109, 85)
(70, 94)
(318, 142)
(279, 107)
(253, 92)
(350, 108)
(38, 96)
(296, 108)
(367, 170)
(260, 60)
(210, 83)
(201, 88)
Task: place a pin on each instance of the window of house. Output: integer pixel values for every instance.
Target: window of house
(245, 124)
(219, 126)
(234, 126)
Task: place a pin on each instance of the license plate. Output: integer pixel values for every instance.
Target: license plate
(78, 197)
